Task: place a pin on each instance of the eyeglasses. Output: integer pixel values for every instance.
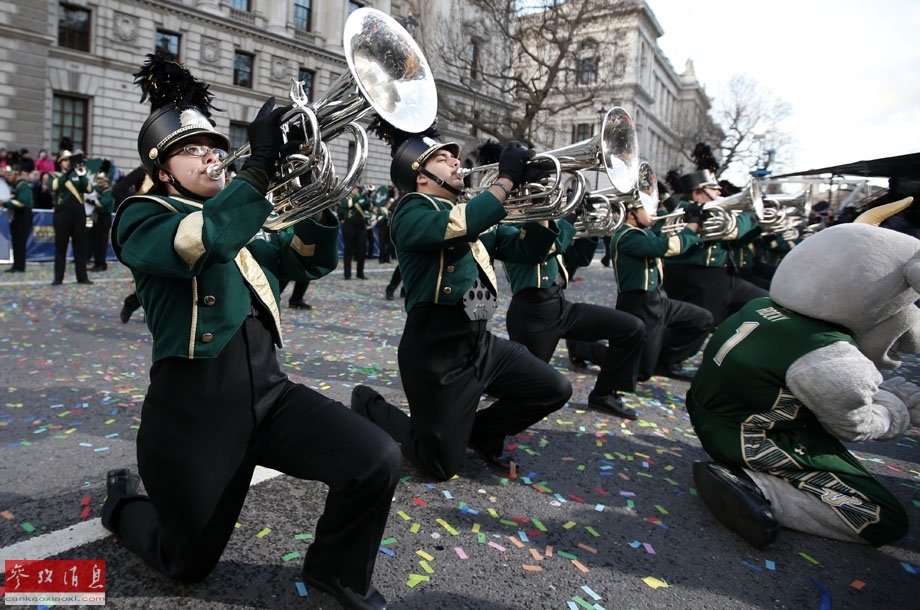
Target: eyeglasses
(199, 150)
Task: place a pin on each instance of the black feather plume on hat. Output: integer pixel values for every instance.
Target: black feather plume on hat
(488, 152)
(394, 136)
(672, 178)
(702, 154)
(167, 83)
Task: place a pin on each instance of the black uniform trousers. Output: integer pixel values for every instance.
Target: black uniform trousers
(99, 239)
(539, 317)
(207, 423)
(354, 242)
(446, 363)
(70, 228)
(674, 330)
(386, 248)
(712, 288)
(20, 228)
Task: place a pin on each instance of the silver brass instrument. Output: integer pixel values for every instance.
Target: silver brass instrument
(615, 151)
(603, 212)
(722, 219)
(387, 73)
(782, 211)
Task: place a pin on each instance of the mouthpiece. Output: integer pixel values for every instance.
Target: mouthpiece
(215, 171)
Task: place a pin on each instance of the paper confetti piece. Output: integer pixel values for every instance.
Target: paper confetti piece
(655, 583)
(28, 527)
(858, 585)
(770, 565)
(648, 548)
(446, 526)
(265, 532)
(549, 551)
(587, 548)
(386, 551)
(825, 594)
(418, 501)
(567, 555)
(415, 579)
(531, 568)
(290, 556)
(404, 516)
(6, 515)
(568, 525)
(301, 589)
(425, 566)
(592, 531)
(808, 557)
(535, 554)
(590, 592)
(497, 546)
(424, 555)
(581, 567)
(516, 542)
(460, 553)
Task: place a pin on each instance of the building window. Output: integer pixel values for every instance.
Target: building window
(352, 152)
(73, 27)
(240, 5)
(242, 69)
(586, 73)
(581, 132)
(168, 44)
(68, 120)
(475, 70)
(302, 15)
(307, 77)
(353, 6)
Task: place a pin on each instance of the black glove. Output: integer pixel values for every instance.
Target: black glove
(537, 171)
(265, 137)
(694, 212)
(512, 162)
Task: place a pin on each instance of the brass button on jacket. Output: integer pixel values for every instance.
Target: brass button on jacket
(207, 337)
(450, 268)
(209, 300)
(447, 290)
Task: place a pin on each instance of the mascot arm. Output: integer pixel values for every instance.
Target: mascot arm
(841, 387)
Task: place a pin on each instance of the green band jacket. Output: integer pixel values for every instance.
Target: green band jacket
(198, 267)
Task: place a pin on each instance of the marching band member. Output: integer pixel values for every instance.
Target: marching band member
(705, 276)
(19, 209)
(210, 292)
(447, 356)
(354, 232)
(539, 315)
(675, 330)
(69, 187)
(102, 222)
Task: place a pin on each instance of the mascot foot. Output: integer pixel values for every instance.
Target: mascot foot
(736, 502)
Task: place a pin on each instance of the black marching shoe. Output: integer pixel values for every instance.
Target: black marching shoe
(612, 403)
(361, 397)
(299, 305)
(348, 597)
(124, 315)
(578, 363)
(488, 452)
(391, 294)
(736, 502)
(86, 281)
(674, 371)
(119, 484)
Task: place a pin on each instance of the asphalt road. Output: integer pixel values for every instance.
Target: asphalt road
(601, 513)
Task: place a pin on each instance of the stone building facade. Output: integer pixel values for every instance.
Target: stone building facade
(66, 70)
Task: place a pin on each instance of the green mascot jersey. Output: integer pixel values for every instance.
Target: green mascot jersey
(745, 415)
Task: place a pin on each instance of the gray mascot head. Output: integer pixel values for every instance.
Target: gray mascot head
(862, 277)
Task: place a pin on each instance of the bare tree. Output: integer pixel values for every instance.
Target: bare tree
(751, 117)
(513, 60)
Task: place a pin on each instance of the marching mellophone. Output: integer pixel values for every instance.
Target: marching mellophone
(615, 151)
(387, 73)
(722, 220)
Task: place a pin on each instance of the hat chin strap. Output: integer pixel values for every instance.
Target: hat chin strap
(182, 190)
(440, 182)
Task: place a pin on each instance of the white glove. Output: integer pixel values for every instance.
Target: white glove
(908, 393)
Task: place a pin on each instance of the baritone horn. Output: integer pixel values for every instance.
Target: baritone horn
(722, 220)
(387, 74)
(615, 151)
(603, 212)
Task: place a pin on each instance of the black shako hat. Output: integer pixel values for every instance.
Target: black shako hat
(180, 108)
(409, 150)
(698, 180)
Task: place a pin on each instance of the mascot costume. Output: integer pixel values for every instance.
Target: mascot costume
(787, 378)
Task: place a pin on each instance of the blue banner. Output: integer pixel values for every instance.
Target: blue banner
(40, 246)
